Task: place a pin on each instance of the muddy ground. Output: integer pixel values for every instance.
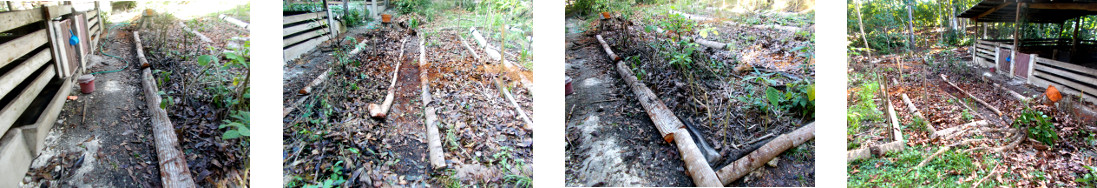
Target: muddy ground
(104, 139)
(612, 141)
(331, 137)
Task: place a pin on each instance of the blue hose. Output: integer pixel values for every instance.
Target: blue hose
(109, 55)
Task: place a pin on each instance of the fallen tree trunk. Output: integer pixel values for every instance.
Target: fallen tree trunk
(869, 151)
(914, 110)
(605, 46)
(196, 33)
(710, 44)
(287, 110)
(234, 21)
(669, 126)
(380, 111)
(173, 163)
(495, 55)
(1012, 93)
(140, 51)
(469, 48)
(518, 108)
(767, 152)
(434, 138)
(945, 78)
(891, 115)
(316, 81)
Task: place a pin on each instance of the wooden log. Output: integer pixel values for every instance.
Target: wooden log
(287, 110)
(196, 33)
(518, 108)
(21, 102)
(496, 55)
(13, 77)
(382, 110)
(140, 50)
(319, 79)
(173, 163)
(960, 129)
(234, 21)
(357, 48)
(434, 137)
(945, 78)
(669, 126)
(1016, 95)
(869, 151)
(914, 110)
(710, 44)
(891, 116)
(469, 48)
(759, 157)
(605, 46)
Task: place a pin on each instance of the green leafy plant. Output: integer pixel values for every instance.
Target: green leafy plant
(1089, 178)
(334, 180)
(1039, 126)
(239, 125)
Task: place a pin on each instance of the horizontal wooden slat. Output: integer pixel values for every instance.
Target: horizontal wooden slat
(302, 17)
(297, 50)
(12, 110)
(12, 78)
(1064, 82)
(302, 27)
(1042, 83)
(49, 115)
(982, 51)
(1066, 74)
(14, 49)
(987, 56)
(55, 11)
(15, 19)
(1084, 70)
(303, 37)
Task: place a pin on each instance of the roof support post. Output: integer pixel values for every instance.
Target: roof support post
(1017, 28)
(1074, 42)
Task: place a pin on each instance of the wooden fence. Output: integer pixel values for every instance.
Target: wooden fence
(1069, 78)
(38, 66)
(302, 32)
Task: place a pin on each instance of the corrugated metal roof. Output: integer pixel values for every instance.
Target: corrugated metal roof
(1006, 11)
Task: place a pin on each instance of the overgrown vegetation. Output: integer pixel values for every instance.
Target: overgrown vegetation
(1039, 126)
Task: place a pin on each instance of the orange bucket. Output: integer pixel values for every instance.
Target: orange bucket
(386, 18)
(605, 15)
(1053, 94)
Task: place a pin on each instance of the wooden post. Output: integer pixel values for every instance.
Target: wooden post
(331, 21)
(1031, 65)
(173, 163)
(1074, 42)
(1017, 28)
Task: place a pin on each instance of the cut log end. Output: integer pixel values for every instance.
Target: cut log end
(303, 92)
(375, 111)
(669, 137)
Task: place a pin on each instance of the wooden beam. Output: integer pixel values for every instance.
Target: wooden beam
(992, 10)
(12, 78)
(173, 163)
(15, 108)
(302, 37)
(14, 49)
(1017, 29)
(302, 17)
(15, 19)
(1064, 6)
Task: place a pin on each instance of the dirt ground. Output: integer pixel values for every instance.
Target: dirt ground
(611, 140)
(104, 139)
(331, 137)
(1024, 165)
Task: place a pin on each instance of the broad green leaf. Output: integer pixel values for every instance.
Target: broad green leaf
(206, 60)
(773, 95)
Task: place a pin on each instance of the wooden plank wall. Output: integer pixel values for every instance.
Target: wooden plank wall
(1068, 78)
(303, 32)
(34, 80)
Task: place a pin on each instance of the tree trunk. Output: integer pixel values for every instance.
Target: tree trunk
(669, 126)
(914, 110)
(767, 152)
(173, 163)
(319, 79)
(864, 37)
(380, 111)
(910, 26)
(434, 138)
(945, 78)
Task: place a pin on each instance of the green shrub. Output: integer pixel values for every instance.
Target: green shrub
(1039, 126)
